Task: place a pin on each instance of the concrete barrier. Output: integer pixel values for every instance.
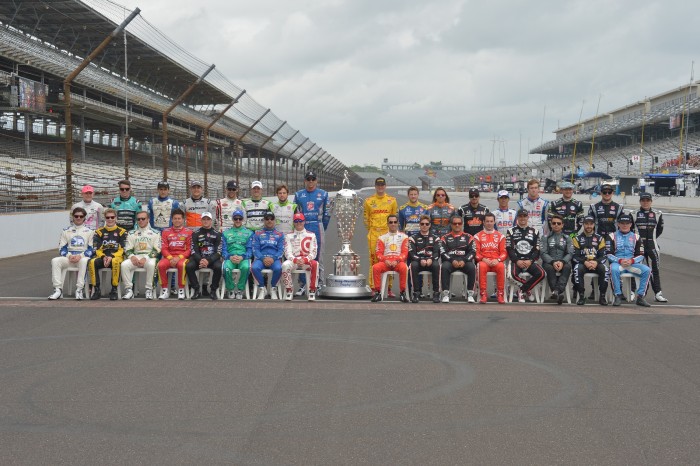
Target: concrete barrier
(679, 239)
(26, 233)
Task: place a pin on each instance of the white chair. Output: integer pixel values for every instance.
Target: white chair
(427, 280)
(384, 287)
(547, 290)
(106, 282)
(202, 282)
(142, 272)
(236, 273)
(626, 287)
(69, 281)
(171, 271)
(464, 280)
(491, 284)
(537, 291)
(587, 277)
(267, 272)
(296, 273)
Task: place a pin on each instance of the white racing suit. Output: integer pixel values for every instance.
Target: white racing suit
(75, 240)
(142, 243)
(300, 246)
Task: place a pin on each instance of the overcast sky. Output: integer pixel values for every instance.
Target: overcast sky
(415, 81)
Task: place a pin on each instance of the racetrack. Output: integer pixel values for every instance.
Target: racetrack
(342, 382)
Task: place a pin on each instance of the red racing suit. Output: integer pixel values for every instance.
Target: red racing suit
(391, 247)
(175, 242)
(491, 245)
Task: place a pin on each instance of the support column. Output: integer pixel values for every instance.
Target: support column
(82, 137)
(205, 136)
(68, 106)
(27, 129)
(238, 151)
(172, 107)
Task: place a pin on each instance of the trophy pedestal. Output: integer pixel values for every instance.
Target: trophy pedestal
(345, 282)
(346, 286)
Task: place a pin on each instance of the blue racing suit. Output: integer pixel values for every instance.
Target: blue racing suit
(627, 246)
(409, 217)
(267, 243)
(314, 206)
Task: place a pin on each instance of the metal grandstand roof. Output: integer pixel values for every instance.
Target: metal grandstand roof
(76, 27)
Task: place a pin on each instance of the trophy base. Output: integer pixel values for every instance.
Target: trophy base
(346, 286)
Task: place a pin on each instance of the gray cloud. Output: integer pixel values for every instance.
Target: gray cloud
(404, 79)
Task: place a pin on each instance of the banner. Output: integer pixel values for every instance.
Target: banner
(32, 95)
(674, 121)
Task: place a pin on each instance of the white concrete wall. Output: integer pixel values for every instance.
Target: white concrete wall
(31, 232)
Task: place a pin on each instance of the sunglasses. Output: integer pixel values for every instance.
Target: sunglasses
(425, 223)
(142, 219)
(440, 195)
(392, 221)
(124, 189)
(298, 221)
(606, 192)
(269, 218)
(110, 217)
(78, 216)
(456, 223)
(237, 219)
(473, 196)
(231, 189)
(310, 178)
(557, 223)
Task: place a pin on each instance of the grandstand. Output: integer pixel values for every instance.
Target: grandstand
(143, 108)
(426, 177)
(657, 135)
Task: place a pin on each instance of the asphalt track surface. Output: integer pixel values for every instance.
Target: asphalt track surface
(343, 382)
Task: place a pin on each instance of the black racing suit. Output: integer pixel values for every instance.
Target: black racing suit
(650, 225)
(605, 216)
(421, 247)
(206, 244)
(588, 248)
(524, 244)
(571, 211)
(473, 217)
(458, 247)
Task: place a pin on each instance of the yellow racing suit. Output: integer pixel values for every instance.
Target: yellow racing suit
(377, 209)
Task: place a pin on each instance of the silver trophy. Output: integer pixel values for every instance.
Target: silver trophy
(345, 281)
